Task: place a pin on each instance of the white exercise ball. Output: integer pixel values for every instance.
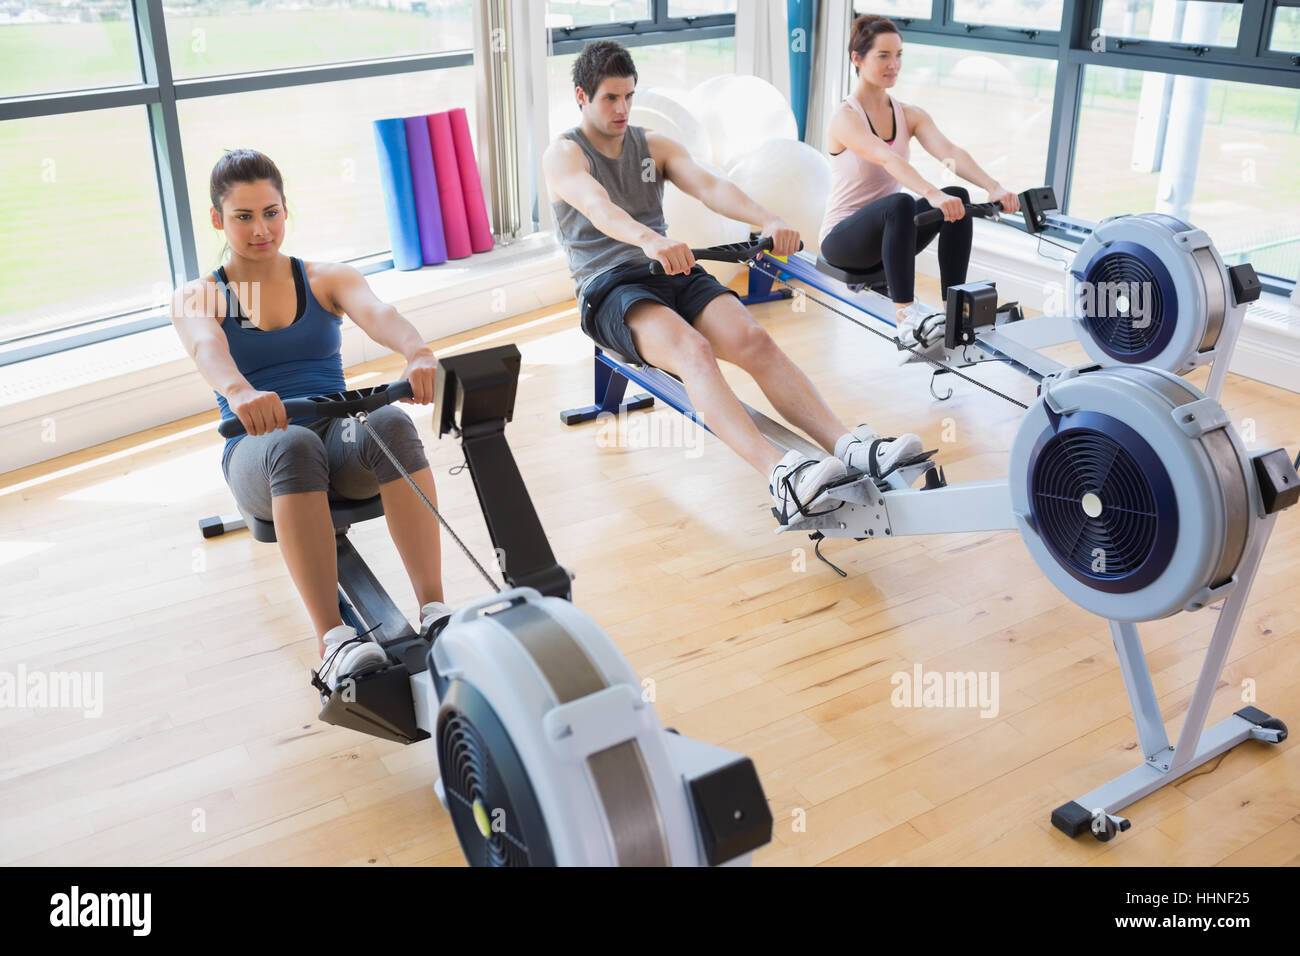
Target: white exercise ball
(665, 114)
(695, 224)
(790, 179)
(694, 141)
(741, 113)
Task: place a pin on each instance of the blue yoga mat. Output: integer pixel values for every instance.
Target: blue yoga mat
(399, 198)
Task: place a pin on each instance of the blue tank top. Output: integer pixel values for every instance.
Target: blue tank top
(302, 359)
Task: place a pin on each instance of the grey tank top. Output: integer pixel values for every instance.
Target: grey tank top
(634, 185)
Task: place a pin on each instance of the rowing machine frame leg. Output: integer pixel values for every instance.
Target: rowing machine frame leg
(610, 388)
(1163, 764)
(760, 289)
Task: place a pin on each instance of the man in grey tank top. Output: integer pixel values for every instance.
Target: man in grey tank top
(606, 180)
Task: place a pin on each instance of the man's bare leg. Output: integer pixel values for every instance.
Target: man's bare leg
(735, 337)
(667, 341)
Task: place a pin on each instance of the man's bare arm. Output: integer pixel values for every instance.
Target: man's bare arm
(567, 177)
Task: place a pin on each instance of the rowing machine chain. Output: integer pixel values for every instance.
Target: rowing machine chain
(941, 366)
(364, 420)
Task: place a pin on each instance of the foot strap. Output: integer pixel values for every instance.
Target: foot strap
(787, 480)
(873, 460)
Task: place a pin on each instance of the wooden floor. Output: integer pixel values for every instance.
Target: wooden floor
(208, 750)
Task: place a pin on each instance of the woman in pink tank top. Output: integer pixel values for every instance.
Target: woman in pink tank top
(869, 224)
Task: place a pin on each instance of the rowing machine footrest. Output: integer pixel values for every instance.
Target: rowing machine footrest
(1012, 310)
(379, 704)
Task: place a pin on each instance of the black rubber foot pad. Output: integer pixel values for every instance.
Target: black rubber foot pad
(1072, 819)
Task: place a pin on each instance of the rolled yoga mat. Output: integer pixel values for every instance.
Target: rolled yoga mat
(450, 198)
(399, 199)
(480, 232)
(424, 185)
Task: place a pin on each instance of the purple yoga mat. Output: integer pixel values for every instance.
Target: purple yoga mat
(424, 183)
(480, 233)
(451, 200)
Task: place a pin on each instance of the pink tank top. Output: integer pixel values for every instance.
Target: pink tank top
(856, 182)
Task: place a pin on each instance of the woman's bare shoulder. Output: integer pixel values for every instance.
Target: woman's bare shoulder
(324, 279)
(201, 297)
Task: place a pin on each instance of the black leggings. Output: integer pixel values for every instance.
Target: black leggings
(884, 232)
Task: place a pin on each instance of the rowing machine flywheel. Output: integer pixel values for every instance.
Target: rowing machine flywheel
(567, 764)
(1130, 490)
(1150, 290)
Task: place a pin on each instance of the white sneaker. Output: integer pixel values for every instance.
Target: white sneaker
(798, 485)
(432, 613)
(346, 655)
(889, 452)
(921, 328)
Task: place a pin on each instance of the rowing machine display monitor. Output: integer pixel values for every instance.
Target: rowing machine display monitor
(477, 388)
(476, 399)
(1036, 203)
(1245, 283)
(970, 306)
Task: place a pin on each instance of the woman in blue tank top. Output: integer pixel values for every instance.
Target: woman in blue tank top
(265, 328)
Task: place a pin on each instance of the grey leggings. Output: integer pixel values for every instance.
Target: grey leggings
(329, 454)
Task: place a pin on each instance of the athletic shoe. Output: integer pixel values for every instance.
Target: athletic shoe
(435, 612)
(921, 328)
(347, 655)
(889, 452)
(798, 485)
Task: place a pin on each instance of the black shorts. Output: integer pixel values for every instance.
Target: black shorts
(605, 302)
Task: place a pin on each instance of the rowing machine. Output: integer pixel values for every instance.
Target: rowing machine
(1143, 290)
(548, 752)
(1137, 499)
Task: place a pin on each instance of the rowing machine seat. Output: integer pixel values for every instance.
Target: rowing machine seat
(873, 280)
(344, 511)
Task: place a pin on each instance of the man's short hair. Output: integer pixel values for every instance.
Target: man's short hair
(598, 60)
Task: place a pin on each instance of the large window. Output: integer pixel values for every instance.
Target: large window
(238, 36)
(997, 107)
(35, 40)
(83, 235)
(1190, 107)
(1220, 155)
(1286, 30)
(583, 13)
(331, 174)
(898, 9)
(1030, 14)
(112, 113)
(680, 65)
(1179, 21)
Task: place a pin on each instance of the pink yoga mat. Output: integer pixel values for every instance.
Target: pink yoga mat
(480, 232)
(455, 229)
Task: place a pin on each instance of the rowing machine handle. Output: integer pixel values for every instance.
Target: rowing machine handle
(729, 252)
(986, 210)
(337, 405)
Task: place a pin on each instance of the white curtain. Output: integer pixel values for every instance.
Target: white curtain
(830, 66)
(762, 42)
